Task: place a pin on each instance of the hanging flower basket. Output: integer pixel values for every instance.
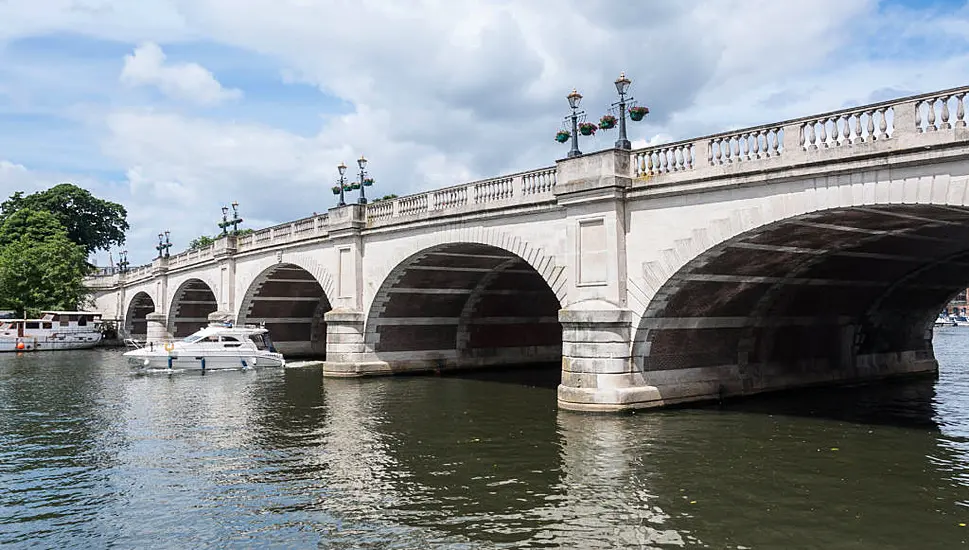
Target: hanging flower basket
(336, 189)
(355, 186)
(368, 182)
(587, 128)
(607, 122)
(562, 136)
(348, 187)
(637, 113)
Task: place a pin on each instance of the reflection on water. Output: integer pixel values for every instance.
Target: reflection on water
(93, 456)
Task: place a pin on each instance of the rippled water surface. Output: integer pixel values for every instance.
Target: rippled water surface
(93, 456)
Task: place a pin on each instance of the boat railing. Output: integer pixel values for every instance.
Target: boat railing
(132, 343)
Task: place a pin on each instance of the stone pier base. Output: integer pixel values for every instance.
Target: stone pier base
(157, 328)
(597, 368)
(346, 352)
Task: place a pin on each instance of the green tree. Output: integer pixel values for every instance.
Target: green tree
(40, 267)
(89, 221)
(200, 242)
(34, 225)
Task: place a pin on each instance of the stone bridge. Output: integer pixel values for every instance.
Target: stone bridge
(809, 251)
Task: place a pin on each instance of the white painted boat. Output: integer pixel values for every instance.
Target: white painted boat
(15, 344)
(56, 330)
(215, 347)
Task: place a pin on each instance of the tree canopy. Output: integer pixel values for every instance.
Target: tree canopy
(90, 222)
(40, 267)
(200, 242)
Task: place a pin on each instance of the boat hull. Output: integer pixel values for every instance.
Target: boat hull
(154, 360)
(18, 345)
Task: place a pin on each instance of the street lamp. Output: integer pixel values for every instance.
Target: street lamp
(622, 86)
(163, 245)
(123, 261)
(364, 180)
(234, 222)
(342, 169)
(574, 99)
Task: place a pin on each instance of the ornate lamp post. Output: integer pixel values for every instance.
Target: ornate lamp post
(342, 169)
(234, 222)
(364, 180)
(622, 85)
(163, 245)
(123, 261)
(574, 99)
(635, 113)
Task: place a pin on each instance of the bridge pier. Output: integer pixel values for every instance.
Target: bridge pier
(157, 327)
(598, 373)
(346, 352)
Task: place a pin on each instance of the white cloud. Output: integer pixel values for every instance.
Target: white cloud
(443, 92)
(185, 81)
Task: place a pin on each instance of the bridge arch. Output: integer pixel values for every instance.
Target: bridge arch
(290, 301)
(464, 304)
(139, 305)
(840, 280)
(192, 302)
(543, 261)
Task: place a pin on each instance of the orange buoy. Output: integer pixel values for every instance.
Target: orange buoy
(20, 345)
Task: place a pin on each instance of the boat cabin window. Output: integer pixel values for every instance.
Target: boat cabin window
(259, 341)
(32, 324)
(64, 321)
(229, 339)
(48, 325)
(192, 338)
(82, 321)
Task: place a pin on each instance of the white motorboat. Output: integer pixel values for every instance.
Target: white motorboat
(55, 330)
(215, 347)
(943, 320)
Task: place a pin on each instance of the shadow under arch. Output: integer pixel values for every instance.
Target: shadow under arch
(843, 294)
(463, 305)
(135, 322)
(290, 302)
(192, 302)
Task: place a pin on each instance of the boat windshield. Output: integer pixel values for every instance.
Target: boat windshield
(260, 340)
(192, 338)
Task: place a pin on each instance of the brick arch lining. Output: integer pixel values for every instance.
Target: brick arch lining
(139, 305)
(464, 304)
(843, 292)
(291, 302)
(193, 300)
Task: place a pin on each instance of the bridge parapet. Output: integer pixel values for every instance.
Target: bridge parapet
(524, 188)
(847, 134)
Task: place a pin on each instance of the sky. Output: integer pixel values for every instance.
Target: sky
(174, 108)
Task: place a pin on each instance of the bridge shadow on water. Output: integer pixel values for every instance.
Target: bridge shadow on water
(905, 403)
(539, 375)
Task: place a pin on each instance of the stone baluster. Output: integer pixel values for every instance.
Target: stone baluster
(823, 133)
(847, 129)
(960, 110)
(735, 148)
(918, 116)
(715, 152)
(945, 114)
(811, 143)
(727, 150)
(859, 136)
(883, 123)
(834, 130)
(871, 125)
(931, 120)
(688, 157)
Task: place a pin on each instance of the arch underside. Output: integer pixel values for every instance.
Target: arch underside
(842, 294)
(290, 302)
(464, 305)
(136, 324)
(193, 303)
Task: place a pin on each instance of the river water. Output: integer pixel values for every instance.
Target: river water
(94, 456)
